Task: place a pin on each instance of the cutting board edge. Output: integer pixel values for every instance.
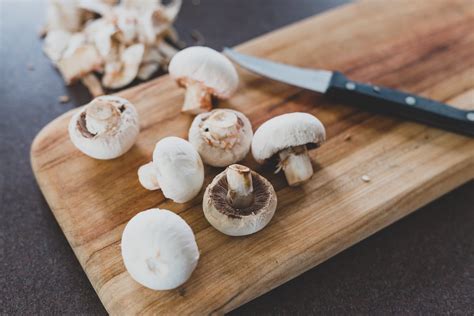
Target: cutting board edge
(461, 178)
(458, 178)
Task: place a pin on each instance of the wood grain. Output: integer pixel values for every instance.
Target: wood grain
(423, 47)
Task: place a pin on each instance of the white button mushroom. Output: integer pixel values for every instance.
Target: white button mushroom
(176, 169)
(105, 128)
(222, 137)
(288, 136)
(239, 201)
(203, 72)
(159, 249)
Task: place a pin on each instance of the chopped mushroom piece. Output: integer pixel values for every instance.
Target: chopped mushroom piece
(105, 128)
(55, 43)
(365, 178)
(287, 137)
(204, 72)
(64, 15)
(63, 99)
(147, 70)
(152, 59)
(92, 84)
(128, 69)
(239, 201)
(84, 60)
(222, 136)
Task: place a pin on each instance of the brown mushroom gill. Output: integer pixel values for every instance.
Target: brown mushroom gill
(81, 126)
(262, 197)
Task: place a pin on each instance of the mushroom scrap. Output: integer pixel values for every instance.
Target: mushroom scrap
(222, 136)
(204, 72)
(159, 249)
(176, 169)
(288, 136)
(120, 41)
(105, 128)
(239, 201)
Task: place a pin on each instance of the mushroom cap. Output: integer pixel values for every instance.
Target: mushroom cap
(206, 66)
(284, 131)
(112, 142)
(239, 222)
(179, 169)
(159, 249)
(221, 150)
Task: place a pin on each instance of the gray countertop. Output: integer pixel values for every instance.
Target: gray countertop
(424, 264)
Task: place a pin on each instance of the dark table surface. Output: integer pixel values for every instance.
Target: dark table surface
(423, 264)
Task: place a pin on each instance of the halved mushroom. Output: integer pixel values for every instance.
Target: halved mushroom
(288, 136)
(126, 70)
(222, 136)
(203, 72)
(100, 33)
(176, 169)
(105, 128)
(239, 201)
(55, 44)
(152, 59)
(75, 42)
(82, 61)
(96, 6)
(64, 15)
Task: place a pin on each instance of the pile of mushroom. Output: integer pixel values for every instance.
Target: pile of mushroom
(105, 128)
(176, 169)
(222, 136)
(121, 41)
(239, 201)
(288, 136)
(204, 73)
(159, 249)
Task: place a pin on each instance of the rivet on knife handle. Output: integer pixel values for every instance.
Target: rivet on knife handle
(413, 107)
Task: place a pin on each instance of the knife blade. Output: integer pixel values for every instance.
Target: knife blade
(367, 96)
(316, 80)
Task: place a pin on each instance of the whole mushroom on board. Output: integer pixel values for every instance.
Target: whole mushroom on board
(176, 169)
(204, 72)
(287, 136)
(239, 201)
(105, 128)
(222, 136)
(159, 249)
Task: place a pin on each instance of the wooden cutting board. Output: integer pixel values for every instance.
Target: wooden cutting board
(424, 47)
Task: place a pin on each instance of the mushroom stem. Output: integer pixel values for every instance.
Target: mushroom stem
(147, 175)
(240, 186)
(221, 129)
(296, 164)
(101, 116)
(197, 99)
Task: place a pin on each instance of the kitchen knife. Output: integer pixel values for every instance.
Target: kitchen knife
(368, 96)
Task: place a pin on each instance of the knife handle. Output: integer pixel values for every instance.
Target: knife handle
(413, 107)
